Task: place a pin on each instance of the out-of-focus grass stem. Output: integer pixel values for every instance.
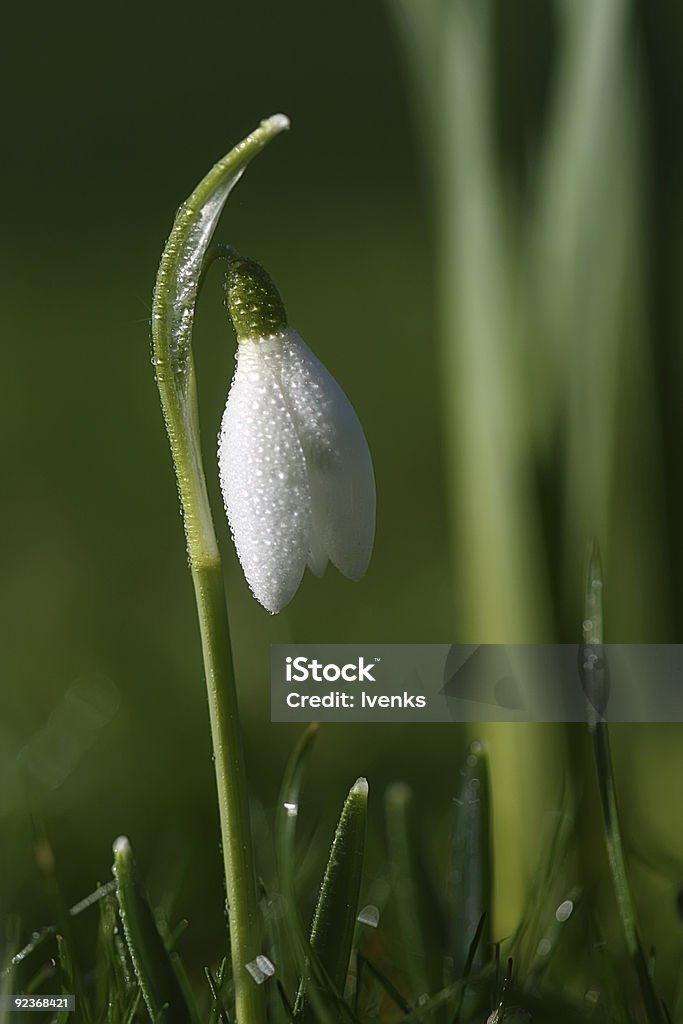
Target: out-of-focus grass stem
(500, 584)
(498, 567)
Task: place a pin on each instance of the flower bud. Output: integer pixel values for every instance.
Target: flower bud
(295, 468)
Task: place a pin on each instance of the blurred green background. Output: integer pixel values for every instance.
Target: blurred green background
(112, 113)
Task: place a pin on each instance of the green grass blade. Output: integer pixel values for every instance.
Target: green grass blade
(277, 945)
(334, 920)
(470, 881)
(161, 989)
(384, 983)
(68, 981)
(326, 998)
(539, 928)
(524, 1008)
(218, 1011)
(15, 959)
(285, 845)
(594, 634)
(133, 1009)
(288, 803)
(448, 998)
(114, 980)
(418, 925)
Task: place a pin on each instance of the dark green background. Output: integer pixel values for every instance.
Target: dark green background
(111, 114)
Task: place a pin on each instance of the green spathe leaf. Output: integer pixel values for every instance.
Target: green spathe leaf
(159, 983)
(173, 311)
(180, 269)
(335, 914)
(470, 867)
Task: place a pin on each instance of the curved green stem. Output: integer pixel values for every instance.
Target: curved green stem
(175, 297)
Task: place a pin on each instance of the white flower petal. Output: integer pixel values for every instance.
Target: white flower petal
(263, 477)
(317, 556)
(338, 462)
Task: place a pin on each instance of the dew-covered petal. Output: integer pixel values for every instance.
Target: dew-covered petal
(263, 477)
(338, 462)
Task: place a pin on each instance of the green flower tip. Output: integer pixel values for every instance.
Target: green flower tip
(253, 301)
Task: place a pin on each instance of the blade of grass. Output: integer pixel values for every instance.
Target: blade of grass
(47, 971)
(523, 1008)
(418, 926)
(68, 981)
(335, 913)
(471, 954)
(218, 1011)
(161, 989)
(590, 350)
(285, 839)
(551, 885)
(556, 919)
(450, 994)
(594, 634)
(495, 519)
(94, 897)
(25, 951)
(133, 1009)
(115, 977)
(470, 875)
(288, 800)
(277, 946)
(384, 982)
(326, 999)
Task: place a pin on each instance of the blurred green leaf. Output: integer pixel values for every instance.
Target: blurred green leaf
(418, 923)
(288, 802)
(470, 876)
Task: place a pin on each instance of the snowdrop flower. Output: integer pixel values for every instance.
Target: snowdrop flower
(295, 469)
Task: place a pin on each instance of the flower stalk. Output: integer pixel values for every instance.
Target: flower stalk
(175, 297)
